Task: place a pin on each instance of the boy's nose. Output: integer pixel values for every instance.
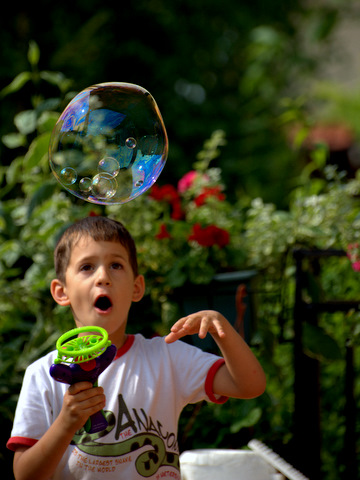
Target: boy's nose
(103, 277)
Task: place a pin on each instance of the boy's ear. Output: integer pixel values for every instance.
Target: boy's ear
(139, 288)
(58, 292)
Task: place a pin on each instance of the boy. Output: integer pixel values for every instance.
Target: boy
(147, 385)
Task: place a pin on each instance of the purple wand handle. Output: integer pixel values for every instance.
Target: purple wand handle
(80, 372)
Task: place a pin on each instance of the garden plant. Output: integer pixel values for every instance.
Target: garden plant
(187, 231)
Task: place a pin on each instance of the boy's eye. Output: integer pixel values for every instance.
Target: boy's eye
(85, 268)
(116, 266)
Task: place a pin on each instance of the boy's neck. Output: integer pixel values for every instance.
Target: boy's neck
(118, 340)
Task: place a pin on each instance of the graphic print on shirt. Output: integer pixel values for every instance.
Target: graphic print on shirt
(138, 438)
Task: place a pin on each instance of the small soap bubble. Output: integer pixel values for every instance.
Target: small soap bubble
(68, 176)
(109, 165)
(103, 186)
(85, 185)
(130, 142)
(110, 144)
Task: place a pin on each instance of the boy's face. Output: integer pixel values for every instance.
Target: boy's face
(100, 286)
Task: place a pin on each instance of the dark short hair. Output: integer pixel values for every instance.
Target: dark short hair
(99, 229)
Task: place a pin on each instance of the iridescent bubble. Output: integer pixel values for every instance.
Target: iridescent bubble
(109, 144)
(103, 186)
(109, 165)
(130, 142)
(68, 176)
(85, 184)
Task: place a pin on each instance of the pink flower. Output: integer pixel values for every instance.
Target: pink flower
(356, 266)
(186, 181)
(354, 256)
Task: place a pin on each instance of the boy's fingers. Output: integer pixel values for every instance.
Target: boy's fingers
(94, 394)
(197, 323)
(79, 387)
(219, 329)
(204, 327)
(171, 338)
(179, 324)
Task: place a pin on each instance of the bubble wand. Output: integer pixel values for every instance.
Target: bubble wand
(82, 357)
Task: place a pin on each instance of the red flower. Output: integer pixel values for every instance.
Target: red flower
(169, 194)
(165, 192)
(209, 236)
(209, 192)
(163, 233)
(177, 213)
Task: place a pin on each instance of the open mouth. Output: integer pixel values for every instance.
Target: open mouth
(103, 303)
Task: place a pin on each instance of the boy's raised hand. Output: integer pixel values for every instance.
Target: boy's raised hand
(198, 323)
(241, 376)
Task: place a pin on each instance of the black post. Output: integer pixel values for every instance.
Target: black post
(350, 416)
(307, 434)
(307, 421)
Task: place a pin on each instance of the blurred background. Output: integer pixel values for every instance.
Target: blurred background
(208, 65)
(278, 79)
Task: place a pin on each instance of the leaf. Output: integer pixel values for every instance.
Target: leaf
(300, 137)
(13, 171)
(319, 344)
(14, 140)
(43, 193)
(47, 121)
(26, 121)
(10, 252)
(56, 78)
(176, 277)
(33, 53)
(251, 419)
(319, 155)
(38, 148)
(18, 82)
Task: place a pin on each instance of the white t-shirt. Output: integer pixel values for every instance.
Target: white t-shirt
(146, 386)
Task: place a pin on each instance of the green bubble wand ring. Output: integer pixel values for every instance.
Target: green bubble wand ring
(79, 349)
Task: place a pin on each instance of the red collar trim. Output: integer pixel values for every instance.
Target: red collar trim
(126, 347)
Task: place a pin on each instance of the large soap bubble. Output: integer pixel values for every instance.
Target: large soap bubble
(109, 144)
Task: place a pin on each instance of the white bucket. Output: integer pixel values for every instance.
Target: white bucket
(214, 464)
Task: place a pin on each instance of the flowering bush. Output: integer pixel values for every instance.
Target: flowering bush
(184, 233)
(205, 236)
(323, 213)
(188, 232)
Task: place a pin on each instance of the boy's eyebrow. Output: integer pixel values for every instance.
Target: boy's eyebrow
(111, 255)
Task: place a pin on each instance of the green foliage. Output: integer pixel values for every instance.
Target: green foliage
(33, 209)
(323, 212)
(209, 65)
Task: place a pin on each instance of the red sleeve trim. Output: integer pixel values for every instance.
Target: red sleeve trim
(210, 380)
(126, 347)
(15, 442)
